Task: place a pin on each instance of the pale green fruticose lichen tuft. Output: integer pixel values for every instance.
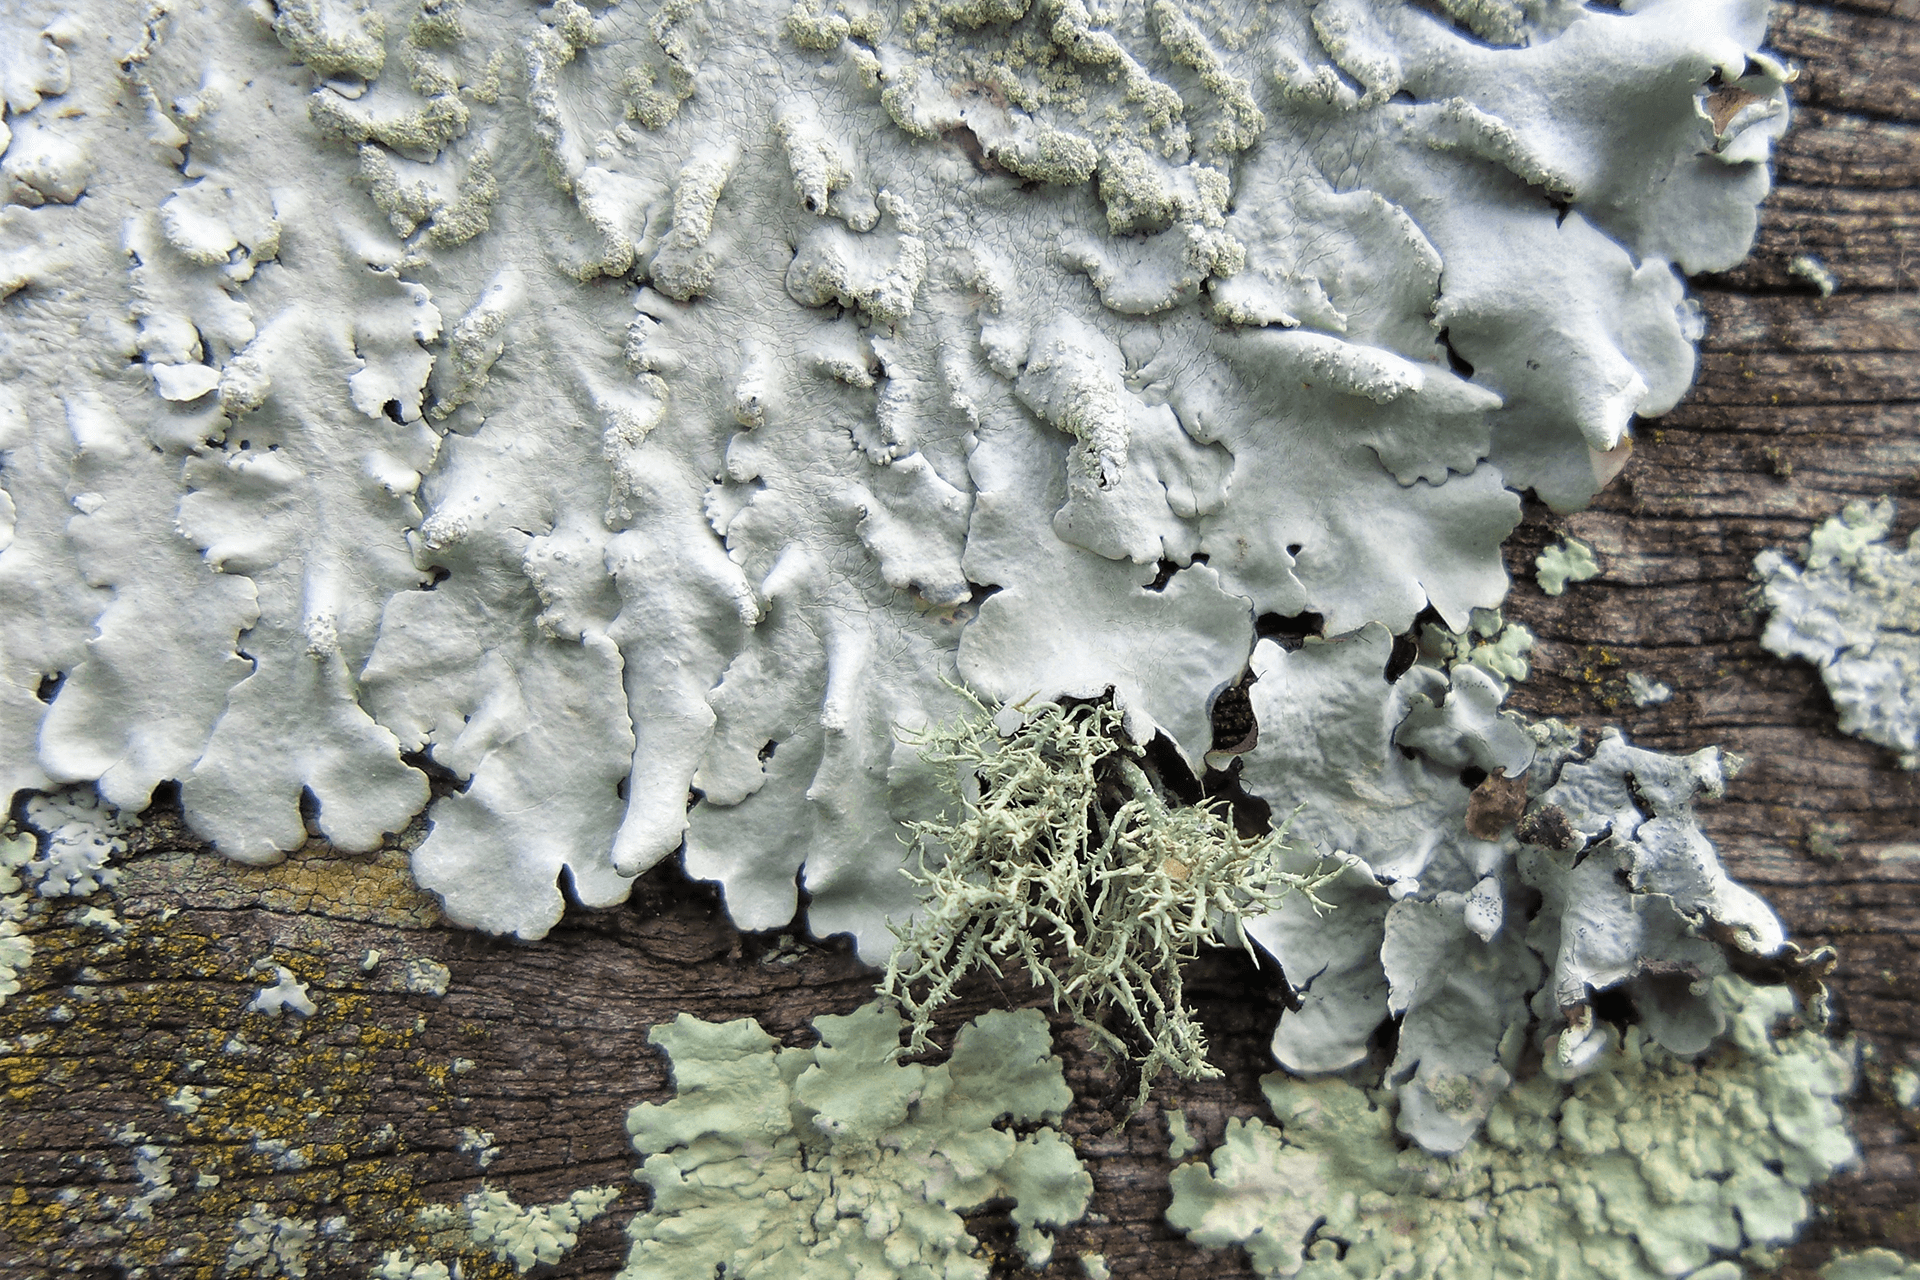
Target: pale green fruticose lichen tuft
(1651, 1166)
(1059, 842)
(1854, 612)
(836, 1160)
(1569, 561)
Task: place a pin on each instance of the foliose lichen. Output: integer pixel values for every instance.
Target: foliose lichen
(1853, 610)
(1483, 919)
(607, 409)
(1647, 692)
(404, 1264)
(1489, 642)
(837, 1160)
(1653, 1164)
(1870, 1264)
(80, 835)
(1568, 561)
(1814, 272)
(16, 949)
(528, 1236)
(287, 994)
(604, 406)
(267, 1244)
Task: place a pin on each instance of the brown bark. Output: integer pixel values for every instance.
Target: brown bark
(1802, 403)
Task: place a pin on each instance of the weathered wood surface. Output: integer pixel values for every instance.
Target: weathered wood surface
(359, 1112)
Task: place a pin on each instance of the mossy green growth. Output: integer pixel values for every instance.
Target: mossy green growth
(837, 1161)
(1061, 853)
(1650, 1166)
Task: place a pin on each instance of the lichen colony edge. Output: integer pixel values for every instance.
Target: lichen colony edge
(617, 404)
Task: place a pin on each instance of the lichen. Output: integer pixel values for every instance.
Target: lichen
(427, 977)
(234, 1108)
(838, 1160)
(1058, 843)
(81, 834)
(1814, 272)
(404, 1264)
(1653, 1165)
(268, 1244)
(1569, 561)
(287, 994)
(332, 36)
(1484, 918)
(814, 361)
(527, 1237)
(477, 1142)
(1489, 642)
(766, 430)
(1646, 691)
(1853, 610)
(1870, 1264)
(16, 949)
(1180, 1142)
